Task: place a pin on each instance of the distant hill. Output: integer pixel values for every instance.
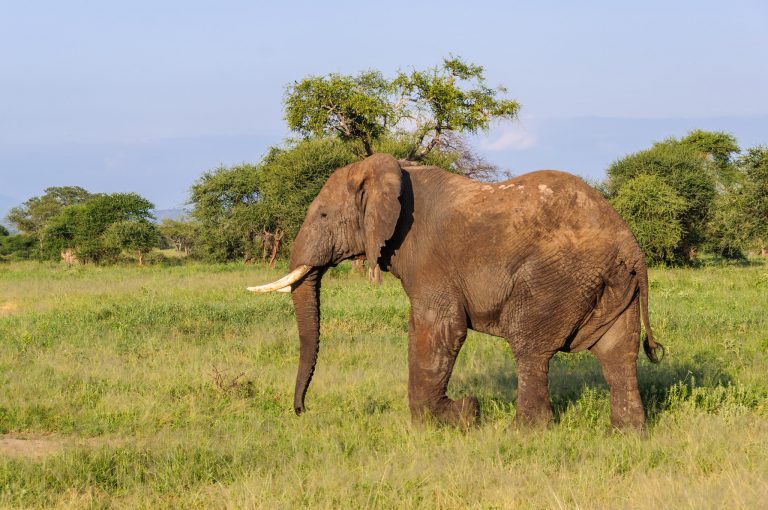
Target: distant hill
(173, 214)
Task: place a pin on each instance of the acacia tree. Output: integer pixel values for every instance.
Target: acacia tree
(352, 107)
(228, 208)
(429, 104)
(138, 236)
(35, 215)
(718, 147)
(180, 233)
(82, 227)
(754, 202)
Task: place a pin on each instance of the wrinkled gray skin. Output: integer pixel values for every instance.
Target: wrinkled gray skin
(542, 260)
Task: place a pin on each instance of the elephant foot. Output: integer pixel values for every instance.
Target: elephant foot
(463, 413)
(534, 418)
(627, 413)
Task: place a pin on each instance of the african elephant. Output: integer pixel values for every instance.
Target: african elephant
(542, 260)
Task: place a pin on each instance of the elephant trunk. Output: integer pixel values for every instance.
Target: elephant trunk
(306, 302)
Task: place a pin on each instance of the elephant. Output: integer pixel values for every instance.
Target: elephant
(542, 260)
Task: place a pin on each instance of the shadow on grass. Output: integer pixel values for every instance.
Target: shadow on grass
(662, 386)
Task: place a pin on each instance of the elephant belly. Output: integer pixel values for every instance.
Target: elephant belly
(540, 306)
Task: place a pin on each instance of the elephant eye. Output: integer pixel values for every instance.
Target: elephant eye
(323, 215)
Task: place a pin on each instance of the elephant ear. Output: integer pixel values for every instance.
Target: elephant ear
(376, 182)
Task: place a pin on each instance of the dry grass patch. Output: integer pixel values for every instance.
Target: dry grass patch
(8, 308)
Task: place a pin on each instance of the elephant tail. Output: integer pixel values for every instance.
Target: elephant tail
(654, 350)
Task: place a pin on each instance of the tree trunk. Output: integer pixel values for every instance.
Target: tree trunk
(275, 247)
(69, 256)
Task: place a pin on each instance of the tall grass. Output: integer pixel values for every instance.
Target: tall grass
(172, 387)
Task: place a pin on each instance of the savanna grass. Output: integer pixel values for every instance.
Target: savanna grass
(172, 387)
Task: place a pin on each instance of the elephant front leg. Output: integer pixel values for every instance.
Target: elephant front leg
(433, 345)
(533, 406)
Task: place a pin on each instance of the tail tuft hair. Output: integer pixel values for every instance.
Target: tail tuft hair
(655, 351)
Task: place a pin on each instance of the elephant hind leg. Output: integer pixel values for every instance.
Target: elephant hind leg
(434, 342)
(617, 353)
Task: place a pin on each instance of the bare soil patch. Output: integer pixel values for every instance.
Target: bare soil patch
(8, 308)
(36, 446)
(29, 446)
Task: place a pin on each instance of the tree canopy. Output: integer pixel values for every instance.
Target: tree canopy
(34, 216)
(181, 234)
(723, 193)
(753, 203)
(419, 116)
(81, 227)
(717, 146)
(680, 166)
(138, 235)
(229, 211)
(428, 104)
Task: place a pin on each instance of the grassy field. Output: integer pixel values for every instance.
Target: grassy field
(172, 387)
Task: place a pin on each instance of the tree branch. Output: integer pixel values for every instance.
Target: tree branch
(414, 151)
(431, 145)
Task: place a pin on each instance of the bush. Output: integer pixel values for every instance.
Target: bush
(18, 247)
(82, 227)
(136, 236)
(654, 212)
(685, 170)
(754, 213)
(726, 235)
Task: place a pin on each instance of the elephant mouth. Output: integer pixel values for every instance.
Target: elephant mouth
(283, 284)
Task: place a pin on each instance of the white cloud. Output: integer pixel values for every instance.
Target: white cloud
(509, 138)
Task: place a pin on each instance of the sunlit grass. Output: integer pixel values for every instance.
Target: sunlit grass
(172, 386)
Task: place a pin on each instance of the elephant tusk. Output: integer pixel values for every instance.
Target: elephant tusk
(286, 281)
(285, 289)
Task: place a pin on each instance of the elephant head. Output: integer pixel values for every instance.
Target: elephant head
(355, 213)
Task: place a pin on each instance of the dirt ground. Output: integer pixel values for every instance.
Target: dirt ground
(30, 446)
(8, 308)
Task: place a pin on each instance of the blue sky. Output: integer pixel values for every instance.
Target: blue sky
(145, 96)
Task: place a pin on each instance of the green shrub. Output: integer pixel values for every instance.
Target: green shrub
(18, 247)
(653, 210)
(688, 172)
